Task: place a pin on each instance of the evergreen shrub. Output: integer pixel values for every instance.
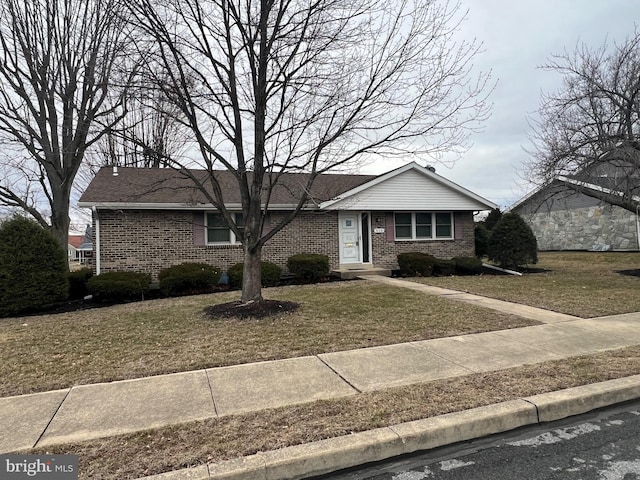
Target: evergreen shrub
(512, 242)
(310, 267)
(119, 286)
(188, 278)
(468, 265)
(78, 283)
(33, 267)
(416, 264)
(270, 273)
(482, 236)
(444, 267)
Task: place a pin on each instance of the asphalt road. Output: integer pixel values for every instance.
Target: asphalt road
(604, 445)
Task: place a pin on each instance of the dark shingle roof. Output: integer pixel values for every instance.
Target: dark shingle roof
(168, 186)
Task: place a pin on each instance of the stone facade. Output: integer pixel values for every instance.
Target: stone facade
(150, 240)
(588, 228)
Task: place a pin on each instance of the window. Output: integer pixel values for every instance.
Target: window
(218, 232)
(423, 225)
(403, 225)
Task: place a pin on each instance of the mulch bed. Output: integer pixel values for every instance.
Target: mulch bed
(261, 309)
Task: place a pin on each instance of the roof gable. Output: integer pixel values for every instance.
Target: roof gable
(410, 187)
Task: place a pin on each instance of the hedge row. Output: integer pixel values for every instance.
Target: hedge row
(417, 264)
(190, 278)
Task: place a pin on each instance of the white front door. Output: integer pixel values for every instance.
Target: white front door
(349, 232)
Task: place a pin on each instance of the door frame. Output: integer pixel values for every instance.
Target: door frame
(358, 217)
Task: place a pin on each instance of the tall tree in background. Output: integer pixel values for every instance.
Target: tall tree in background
(58, 62)
(151, 133)
(589, 130)
(275, 86)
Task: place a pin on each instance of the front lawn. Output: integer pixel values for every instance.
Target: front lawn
(161, 336)
(170, 335)
(584, 284)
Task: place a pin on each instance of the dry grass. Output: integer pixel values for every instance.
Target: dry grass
(170, 335)
(584, 284)
(156, 451)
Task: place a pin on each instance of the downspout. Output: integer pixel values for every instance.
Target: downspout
(638, 226)
(97, 239)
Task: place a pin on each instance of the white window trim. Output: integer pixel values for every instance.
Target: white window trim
(433, 237)
(232, 236)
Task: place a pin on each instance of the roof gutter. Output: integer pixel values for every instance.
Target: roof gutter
(179, 206)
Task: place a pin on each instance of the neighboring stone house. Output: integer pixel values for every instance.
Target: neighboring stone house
(564, 217)
(149, 219)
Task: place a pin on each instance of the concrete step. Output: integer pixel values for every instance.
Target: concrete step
(347, 272)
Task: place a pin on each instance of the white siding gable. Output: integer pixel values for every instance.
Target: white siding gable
(410, 190)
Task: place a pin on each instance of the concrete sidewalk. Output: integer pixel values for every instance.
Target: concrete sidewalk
(100, 410)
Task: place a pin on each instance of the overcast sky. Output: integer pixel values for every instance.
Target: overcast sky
(518, 37)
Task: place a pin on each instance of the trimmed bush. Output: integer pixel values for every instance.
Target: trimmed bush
(512, 242)
(444, 267)
(78, 283)
(482, 236)
(416, 264)
(310, 267)
(119, 286)
(188, 278)
(235, 275)
(270, 273)
(33, 268)
(468, 265)
(492, 219)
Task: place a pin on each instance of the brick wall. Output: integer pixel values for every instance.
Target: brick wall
(385, 253)
(150, 240)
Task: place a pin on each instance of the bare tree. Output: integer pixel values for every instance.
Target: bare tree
(58, 62)
(149, 135)
(275, 86)
(588, 132)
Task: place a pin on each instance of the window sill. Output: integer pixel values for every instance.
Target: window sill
(414, 240)
(215, 246)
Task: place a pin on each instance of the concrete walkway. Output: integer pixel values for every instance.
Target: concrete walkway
(533, 313)
(99, 410)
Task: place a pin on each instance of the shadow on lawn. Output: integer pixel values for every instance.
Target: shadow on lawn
(630, 273)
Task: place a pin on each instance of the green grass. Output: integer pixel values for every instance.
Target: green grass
(171, 335)
(584, 284)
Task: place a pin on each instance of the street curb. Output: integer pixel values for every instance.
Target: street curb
(325, 456)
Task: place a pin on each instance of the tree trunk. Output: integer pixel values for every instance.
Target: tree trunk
(252, 276)
(60, 218)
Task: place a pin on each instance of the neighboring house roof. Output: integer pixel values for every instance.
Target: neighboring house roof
(75, 240)
(87, 239)
(571, 184)
(409, 187)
